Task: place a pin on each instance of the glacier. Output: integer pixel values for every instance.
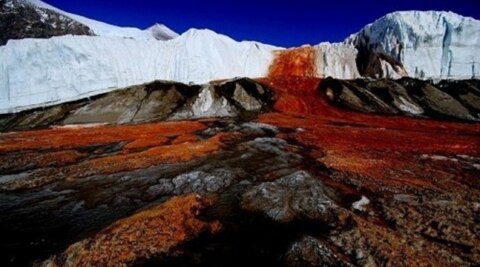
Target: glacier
(41, 72)
(429, 44)
(336, 60)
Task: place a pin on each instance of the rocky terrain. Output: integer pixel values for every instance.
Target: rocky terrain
(292, 171)
(20, 20)
(143, 148)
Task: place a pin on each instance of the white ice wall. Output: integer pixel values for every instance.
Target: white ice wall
(336, 60)
(430, 44)
(39, 72)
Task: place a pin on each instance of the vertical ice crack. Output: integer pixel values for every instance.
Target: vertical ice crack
(446, 63)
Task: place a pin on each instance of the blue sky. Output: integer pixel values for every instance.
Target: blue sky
(283, 23)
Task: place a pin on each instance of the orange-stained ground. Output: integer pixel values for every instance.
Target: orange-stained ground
(157, 230)
(382, 150)
(101, 150)
(138, 136)
(386, 158)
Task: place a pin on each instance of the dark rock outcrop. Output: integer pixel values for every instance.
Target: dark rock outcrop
(149, 103)
(298, 196)
(407, 96)
(19, 19)
(311, 252)
(376, 65)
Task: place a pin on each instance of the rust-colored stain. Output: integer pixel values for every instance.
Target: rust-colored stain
(390, 247)
(144, 135)
(148, 233)
(378, 150)
(113, 149)
(40, 160)
(295, 95)
(153, 156)
(145, 141)
(294, 62)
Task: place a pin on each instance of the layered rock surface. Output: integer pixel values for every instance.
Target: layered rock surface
(149, 103)
(407, 96)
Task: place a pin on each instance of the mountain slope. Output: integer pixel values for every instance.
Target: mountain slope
(36, 19)
(22, 20)
(105, 29)
(425, 45)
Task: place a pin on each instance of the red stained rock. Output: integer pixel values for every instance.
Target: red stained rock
(144, 235)
(68, 138)
(145, 147)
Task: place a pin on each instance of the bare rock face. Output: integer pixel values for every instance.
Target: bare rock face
(247, 101)
(391, 92)
(445, 104)
(148, 103)
(247, 94)
(298, 196)
(20, 20)
(208, 103)
(120, 107)
(311, 252)
(444, 100)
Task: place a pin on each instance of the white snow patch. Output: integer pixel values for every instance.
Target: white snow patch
(79, 126)
(361, 204)
(408, 107)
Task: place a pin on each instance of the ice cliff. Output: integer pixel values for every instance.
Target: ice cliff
(39, 72)
(428, 44)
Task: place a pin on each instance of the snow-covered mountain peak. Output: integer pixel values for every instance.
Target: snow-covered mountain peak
(156, 32)
(208, 36)
(161, 32)
(194, 33)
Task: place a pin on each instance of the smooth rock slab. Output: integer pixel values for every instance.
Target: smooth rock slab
(297, 196)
